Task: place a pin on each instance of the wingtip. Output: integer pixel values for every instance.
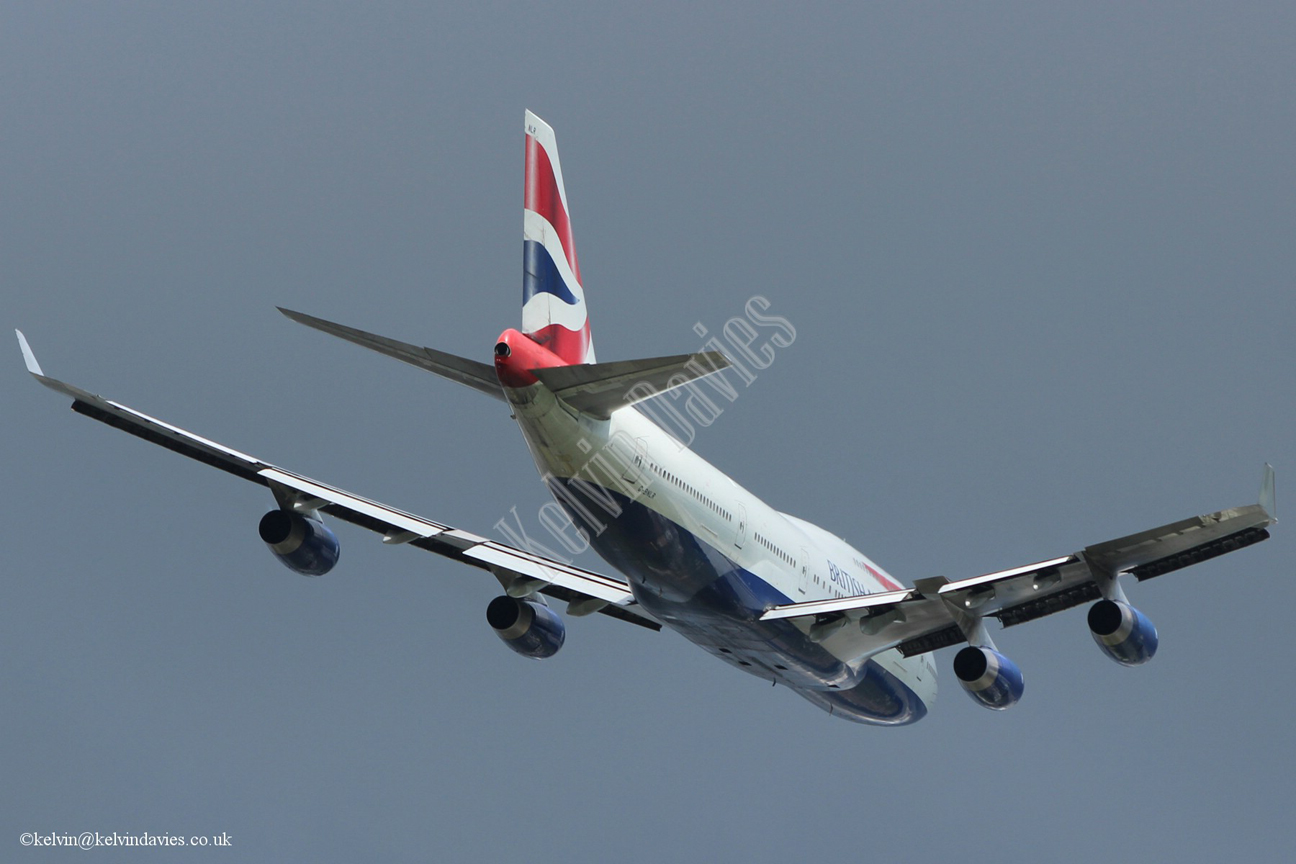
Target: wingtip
(717, 359)
(299, 317)
(1268, 499)
(28, 357)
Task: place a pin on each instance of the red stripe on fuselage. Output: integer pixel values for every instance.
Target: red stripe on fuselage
(541, 196)
(886, 583)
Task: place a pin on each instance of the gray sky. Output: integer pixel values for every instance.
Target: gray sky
(1041, 266)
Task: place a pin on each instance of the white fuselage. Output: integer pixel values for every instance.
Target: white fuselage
(703, 554)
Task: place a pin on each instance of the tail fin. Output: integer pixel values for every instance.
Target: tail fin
(553, 302)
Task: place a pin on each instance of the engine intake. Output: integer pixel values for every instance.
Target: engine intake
(529, 628)
(990, 678)
(1122, 632)
(303, 544)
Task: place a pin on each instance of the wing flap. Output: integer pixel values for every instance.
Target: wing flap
(1168, 541)
(992, 593)
(551, 572)
(389, 517)
(876, 622)
(503, 560)
(843, 605)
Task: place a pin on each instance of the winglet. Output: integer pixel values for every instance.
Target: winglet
(52, 383)
(28, 357)
(1267, 493)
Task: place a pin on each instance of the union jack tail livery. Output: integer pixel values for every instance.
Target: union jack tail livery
(553, 302)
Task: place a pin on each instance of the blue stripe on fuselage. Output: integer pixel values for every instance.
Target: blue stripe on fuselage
(695, 589)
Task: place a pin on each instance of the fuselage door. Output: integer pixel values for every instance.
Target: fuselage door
(740, 533)
(804, 585)
(629, 457)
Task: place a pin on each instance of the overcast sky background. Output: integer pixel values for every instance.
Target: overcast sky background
(1042, 267)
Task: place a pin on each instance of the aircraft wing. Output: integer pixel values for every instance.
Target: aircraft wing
(519, 571)
(936, 612)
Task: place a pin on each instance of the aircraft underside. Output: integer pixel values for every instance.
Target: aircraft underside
(700, 593)
(692, 586)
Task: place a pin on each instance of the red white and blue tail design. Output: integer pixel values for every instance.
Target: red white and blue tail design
(553, 302)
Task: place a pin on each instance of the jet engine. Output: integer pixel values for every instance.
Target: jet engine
(304, 544)
(989, 677)
(528, 627)
(1122, 632)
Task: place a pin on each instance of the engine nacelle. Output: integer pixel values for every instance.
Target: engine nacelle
(529, 628)
(303, 544)
(1122, 632)
(989, 677)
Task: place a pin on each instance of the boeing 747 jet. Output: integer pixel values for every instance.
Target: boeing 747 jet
(771, 594)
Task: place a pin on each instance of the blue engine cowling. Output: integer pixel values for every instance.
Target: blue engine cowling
(989, 677)
(303, 544)
(529, 628)
(1122, 632)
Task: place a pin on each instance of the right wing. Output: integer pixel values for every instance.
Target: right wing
(519, 571)
(936, 613)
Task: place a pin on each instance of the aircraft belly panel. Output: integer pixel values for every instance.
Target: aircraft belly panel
(699, 592)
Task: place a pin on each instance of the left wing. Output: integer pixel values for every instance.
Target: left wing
(936, 613)
(519, 571)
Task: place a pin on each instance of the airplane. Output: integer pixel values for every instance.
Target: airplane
(771, 594)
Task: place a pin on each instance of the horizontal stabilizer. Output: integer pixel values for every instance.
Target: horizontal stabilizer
(471, 373)
(598, 389)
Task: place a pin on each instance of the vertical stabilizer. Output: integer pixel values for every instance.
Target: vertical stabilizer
(553, 302)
